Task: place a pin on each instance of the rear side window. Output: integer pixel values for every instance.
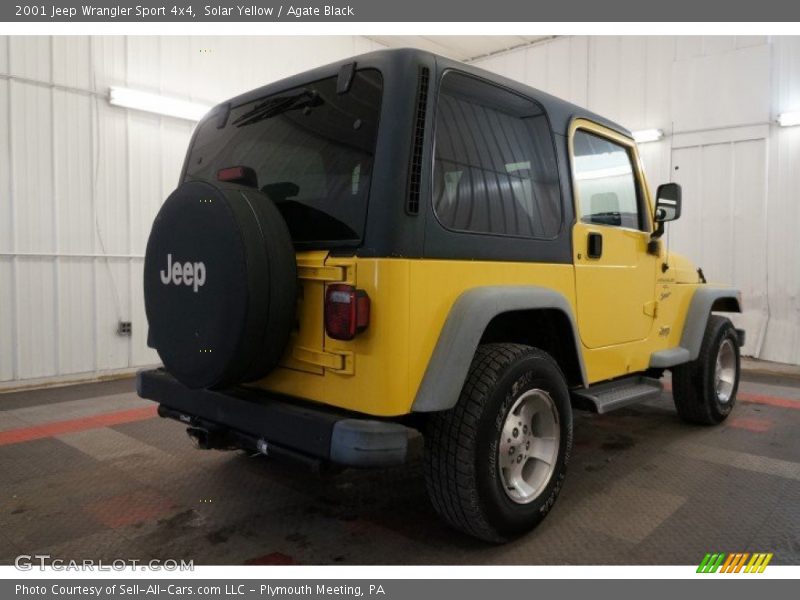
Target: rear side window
(605, 181)
(310, 149)
(495, 165)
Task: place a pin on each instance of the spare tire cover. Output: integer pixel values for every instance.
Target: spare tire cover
(220, 284)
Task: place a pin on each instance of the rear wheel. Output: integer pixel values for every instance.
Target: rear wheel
(705, 389)
(495, 463)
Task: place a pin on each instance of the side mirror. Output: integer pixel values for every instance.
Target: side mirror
(668, 202)
(668, 206)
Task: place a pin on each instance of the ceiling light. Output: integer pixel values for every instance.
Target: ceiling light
(788, 119)
(162, 105)
(648, 135)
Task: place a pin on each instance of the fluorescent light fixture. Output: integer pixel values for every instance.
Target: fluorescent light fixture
(648, 135)
(162, 105)
(788, 119)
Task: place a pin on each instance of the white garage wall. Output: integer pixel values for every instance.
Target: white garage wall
(716, 98)
(81, 181)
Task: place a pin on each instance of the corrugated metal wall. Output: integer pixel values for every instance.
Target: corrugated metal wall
(80, 182)
(716, 98)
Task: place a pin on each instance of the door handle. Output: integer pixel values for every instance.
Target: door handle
(594, 246)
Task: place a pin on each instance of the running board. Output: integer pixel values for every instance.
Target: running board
(611, 395)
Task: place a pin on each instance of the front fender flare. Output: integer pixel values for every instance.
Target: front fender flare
(702, 303)
(700, 308)
(469, 316)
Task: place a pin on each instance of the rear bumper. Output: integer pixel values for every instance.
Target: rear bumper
(274, 424)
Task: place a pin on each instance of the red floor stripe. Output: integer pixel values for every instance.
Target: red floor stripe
(758, 399)
(769, 400)
(750, 424)
(36, 432)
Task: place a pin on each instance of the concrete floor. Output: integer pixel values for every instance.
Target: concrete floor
(90, 471)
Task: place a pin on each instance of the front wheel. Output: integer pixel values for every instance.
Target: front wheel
(495, 463)
(705, 389)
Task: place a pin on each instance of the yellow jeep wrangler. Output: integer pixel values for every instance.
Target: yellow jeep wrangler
(400, 241)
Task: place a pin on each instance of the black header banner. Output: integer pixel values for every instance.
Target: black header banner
(403, 11)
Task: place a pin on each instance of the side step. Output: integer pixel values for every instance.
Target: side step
(611, 395)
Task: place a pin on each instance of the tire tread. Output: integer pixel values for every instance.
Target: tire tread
(688, 382)
(451, 438)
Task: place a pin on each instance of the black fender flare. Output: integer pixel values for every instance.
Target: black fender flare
(704, 300)
(466, 322)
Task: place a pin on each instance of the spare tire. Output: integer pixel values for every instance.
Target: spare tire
(220, 285)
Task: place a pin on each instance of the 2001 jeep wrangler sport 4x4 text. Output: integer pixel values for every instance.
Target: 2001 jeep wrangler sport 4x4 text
(402, 241)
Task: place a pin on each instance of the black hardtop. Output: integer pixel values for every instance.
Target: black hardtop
(391, 61)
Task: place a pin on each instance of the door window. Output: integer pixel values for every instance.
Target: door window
(606, 183)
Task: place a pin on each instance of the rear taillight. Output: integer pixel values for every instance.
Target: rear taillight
(346, 311)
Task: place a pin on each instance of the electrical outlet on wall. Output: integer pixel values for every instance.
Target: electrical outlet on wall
(124, 328)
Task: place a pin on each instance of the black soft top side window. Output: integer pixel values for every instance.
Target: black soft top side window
(495, 165)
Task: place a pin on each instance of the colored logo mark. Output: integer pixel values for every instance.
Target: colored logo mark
(734, 562)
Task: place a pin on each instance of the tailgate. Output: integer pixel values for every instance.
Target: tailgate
(306, 351)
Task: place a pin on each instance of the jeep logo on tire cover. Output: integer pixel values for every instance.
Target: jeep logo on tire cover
(188, 273)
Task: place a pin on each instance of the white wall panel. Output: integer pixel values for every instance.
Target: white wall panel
(719, 96)
(174, 75)
(37, 334)
(109, 61)
(537, 67)
(71, 64)
(140, 353)
(145, 173)
(29, 57)
(688, 47)
(72, 172)
(782, 340)
(112, 304)
(362, 45)
(6, 206)
(632, 92)
(687, 236)
(657, 159)
(111, 193)
(722, 90)
(175, 137)
(32, 168)
(567, 60)
(604, 76)
(719, 44)
(143, 64)
(749, 253)
(5, 42)
(7, 319)
(660, 54)
(745, 41)
(559, 66)
(76, 315)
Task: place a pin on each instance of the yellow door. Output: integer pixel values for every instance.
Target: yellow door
(614, 273)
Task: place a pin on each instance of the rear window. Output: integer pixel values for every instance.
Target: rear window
(310, 149)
